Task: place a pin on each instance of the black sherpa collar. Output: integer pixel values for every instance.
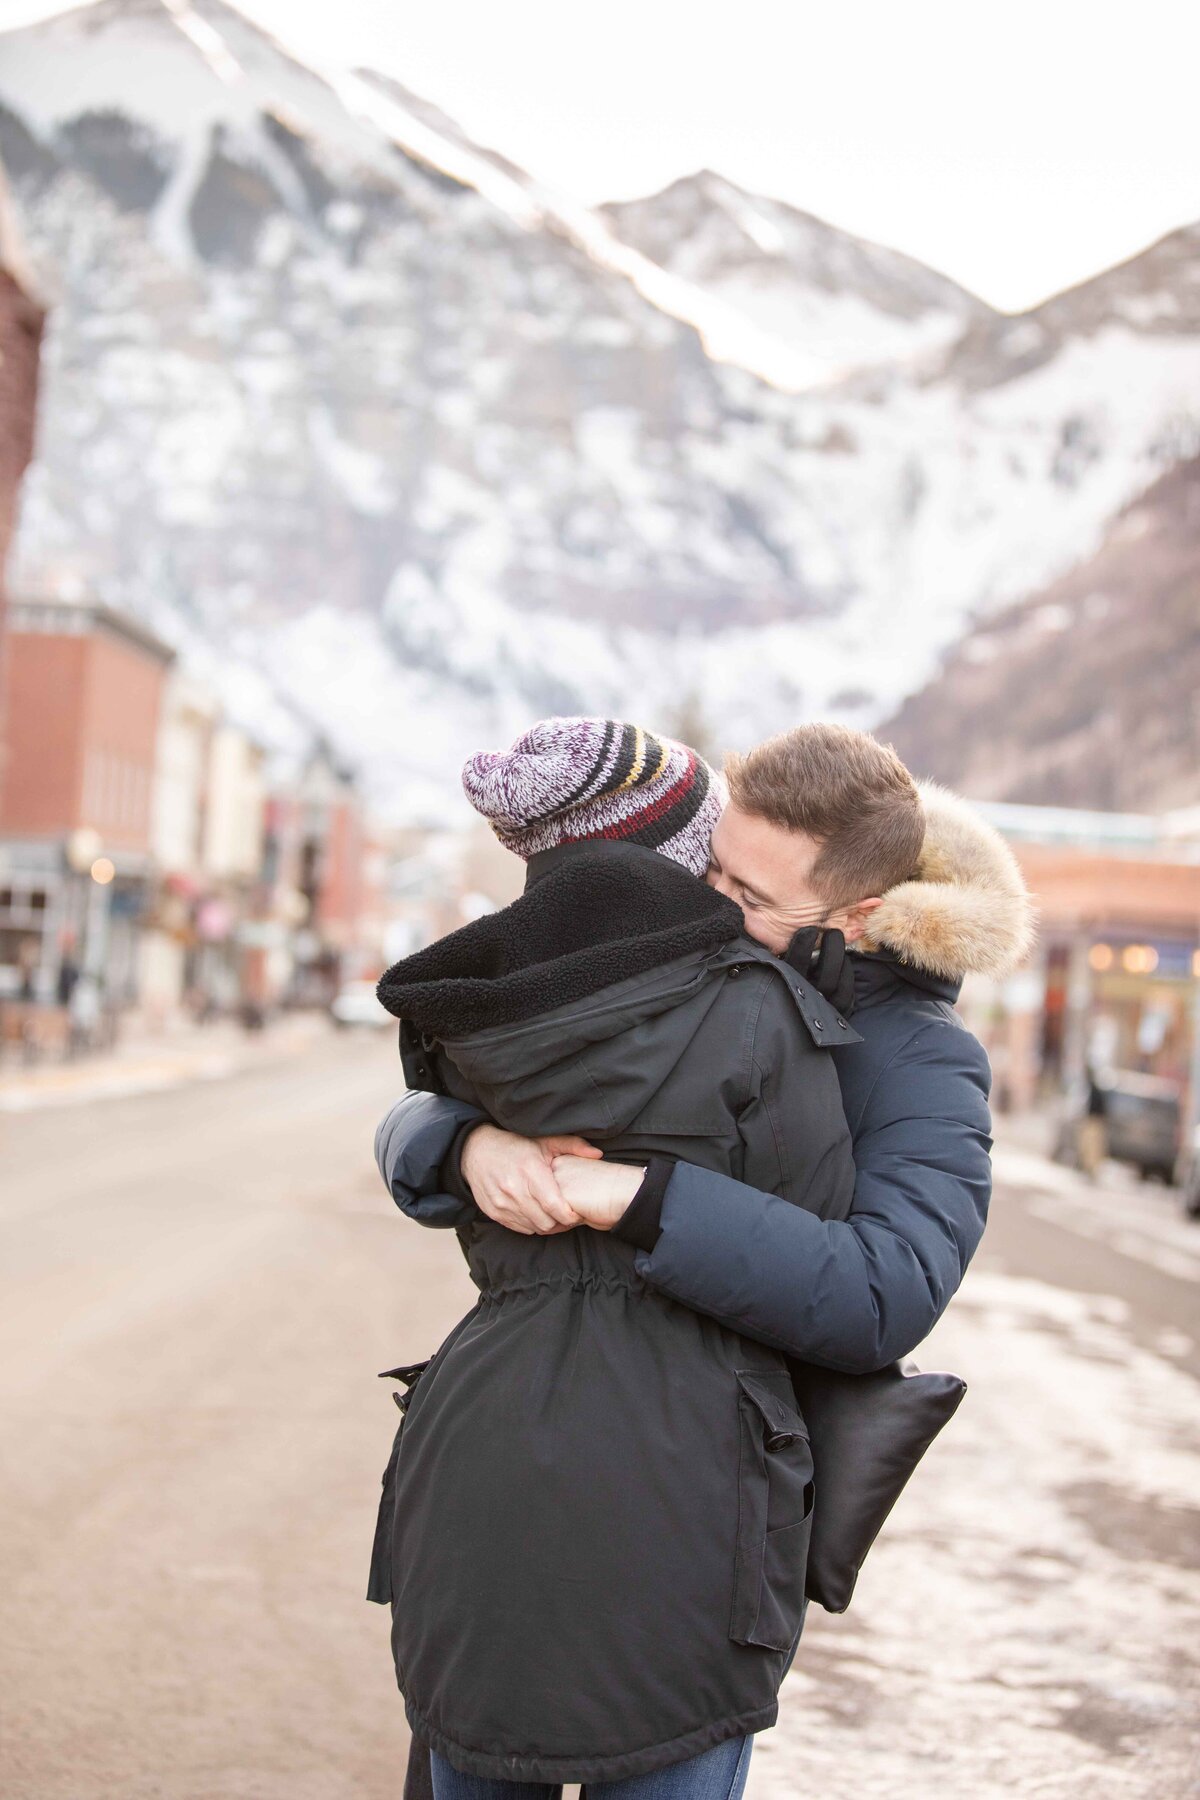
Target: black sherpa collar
(591, 915)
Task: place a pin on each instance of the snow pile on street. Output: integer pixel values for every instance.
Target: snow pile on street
(1026, 1623)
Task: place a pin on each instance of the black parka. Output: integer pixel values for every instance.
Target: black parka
(595, 1522)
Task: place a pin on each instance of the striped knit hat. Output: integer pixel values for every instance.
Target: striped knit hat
(568, 780)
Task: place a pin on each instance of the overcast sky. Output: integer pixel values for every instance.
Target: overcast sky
(1019, 147)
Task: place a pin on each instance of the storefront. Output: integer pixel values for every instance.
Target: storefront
(1141, 1006)
(1114, 979)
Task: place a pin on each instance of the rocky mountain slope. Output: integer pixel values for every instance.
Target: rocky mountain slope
(1085, 694)
(1155, 294)
(839, 301)
(388, 436)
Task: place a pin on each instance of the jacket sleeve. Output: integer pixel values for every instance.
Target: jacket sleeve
(858, 1293)
(411, 1143)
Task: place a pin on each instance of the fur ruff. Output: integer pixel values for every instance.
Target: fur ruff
(967, 909)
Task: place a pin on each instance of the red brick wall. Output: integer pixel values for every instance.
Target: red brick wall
(124, 697)
(340, 901)
(44, 708)
(82, 723)
(21, 322)
(20, 337)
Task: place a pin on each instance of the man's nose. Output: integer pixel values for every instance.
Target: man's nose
(719, 882)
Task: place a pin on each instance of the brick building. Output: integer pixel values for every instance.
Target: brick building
(1115, 977)
(207, 846)
(21, 323)
(83, 699)
(324, 873)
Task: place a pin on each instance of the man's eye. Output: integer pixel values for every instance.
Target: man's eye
(748, 904)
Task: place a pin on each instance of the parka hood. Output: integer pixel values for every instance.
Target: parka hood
(591, 986)
(594, 916)
(967, 909)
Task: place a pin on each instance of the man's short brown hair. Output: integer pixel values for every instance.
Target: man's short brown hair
(847, 790)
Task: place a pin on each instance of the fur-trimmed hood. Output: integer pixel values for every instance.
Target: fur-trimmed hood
(967, 909)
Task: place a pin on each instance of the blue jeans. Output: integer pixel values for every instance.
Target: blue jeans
(716, 1774)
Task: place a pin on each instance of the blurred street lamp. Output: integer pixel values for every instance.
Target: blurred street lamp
(83, 855)
(83, 847)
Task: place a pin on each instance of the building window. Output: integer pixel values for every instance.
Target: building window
(22, 904)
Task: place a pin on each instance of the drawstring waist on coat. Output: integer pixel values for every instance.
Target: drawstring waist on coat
(611, 1282)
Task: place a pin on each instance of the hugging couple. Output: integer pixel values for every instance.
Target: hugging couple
(712, 1137)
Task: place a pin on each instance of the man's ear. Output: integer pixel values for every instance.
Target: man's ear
(855, 918)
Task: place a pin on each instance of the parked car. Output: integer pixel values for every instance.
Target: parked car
(358, 1004)
(1132, 1118)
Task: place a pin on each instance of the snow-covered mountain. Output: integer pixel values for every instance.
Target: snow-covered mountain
(384, 433)
(1084, 693)
(840, 301)
(1155, 295)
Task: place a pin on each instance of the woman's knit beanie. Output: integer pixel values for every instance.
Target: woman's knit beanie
(568, 780)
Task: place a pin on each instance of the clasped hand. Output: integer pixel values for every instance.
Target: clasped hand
(540, 1186)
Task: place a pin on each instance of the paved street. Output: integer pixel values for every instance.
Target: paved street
(198, 1285)
(1029, 1622)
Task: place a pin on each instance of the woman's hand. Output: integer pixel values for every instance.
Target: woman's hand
(512, 1181)
(599, 1192)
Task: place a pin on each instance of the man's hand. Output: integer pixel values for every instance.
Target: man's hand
(599, 1192)
(512, 1181)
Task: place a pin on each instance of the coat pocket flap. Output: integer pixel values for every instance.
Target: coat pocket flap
(775, 1504)
(779, 1414)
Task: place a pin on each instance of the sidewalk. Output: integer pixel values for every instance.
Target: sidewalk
(143, 1064)
(1140, 1220)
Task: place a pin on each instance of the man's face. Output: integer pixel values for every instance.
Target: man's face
(768, 871)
